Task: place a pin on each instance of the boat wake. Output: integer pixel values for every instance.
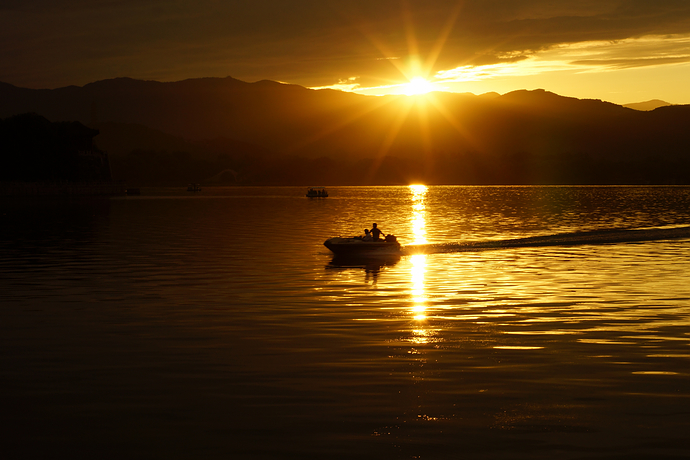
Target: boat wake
(562, 239)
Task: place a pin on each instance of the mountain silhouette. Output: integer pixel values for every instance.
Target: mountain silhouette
(272, 133)
(648, 105)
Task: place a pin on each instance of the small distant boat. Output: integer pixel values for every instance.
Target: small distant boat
(355, 246)
(317, 192)
(194, 188)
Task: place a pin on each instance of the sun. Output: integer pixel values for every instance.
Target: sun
(418, 85)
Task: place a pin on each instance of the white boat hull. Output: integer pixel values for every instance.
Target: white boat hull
(355, 247)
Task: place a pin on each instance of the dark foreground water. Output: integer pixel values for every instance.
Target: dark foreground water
(216, 325)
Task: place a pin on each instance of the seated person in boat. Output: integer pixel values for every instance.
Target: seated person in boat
(376, 232)
(367, 235)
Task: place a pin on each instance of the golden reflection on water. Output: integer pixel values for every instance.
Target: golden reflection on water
(419, 299)
(418, 296)
(418, 213)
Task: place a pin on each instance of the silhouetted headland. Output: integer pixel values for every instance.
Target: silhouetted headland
(40, 157)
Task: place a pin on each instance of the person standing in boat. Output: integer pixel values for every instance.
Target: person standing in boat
(376, 232)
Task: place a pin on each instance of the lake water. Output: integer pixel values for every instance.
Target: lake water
(216, 325)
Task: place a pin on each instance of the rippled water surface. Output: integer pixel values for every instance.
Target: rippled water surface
(217, 325)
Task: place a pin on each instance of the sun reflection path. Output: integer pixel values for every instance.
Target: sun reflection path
(418, 213)
(419, 299)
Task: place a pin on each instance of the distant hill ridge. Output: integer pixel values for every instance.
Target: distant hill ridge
(268, 132)
(648, 105)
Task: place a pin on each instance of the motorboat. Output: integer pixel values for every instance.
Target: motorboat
(356, 246)
(317, 192)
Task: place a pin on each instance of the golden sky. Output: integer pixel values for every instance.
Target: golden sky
(616, 50)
